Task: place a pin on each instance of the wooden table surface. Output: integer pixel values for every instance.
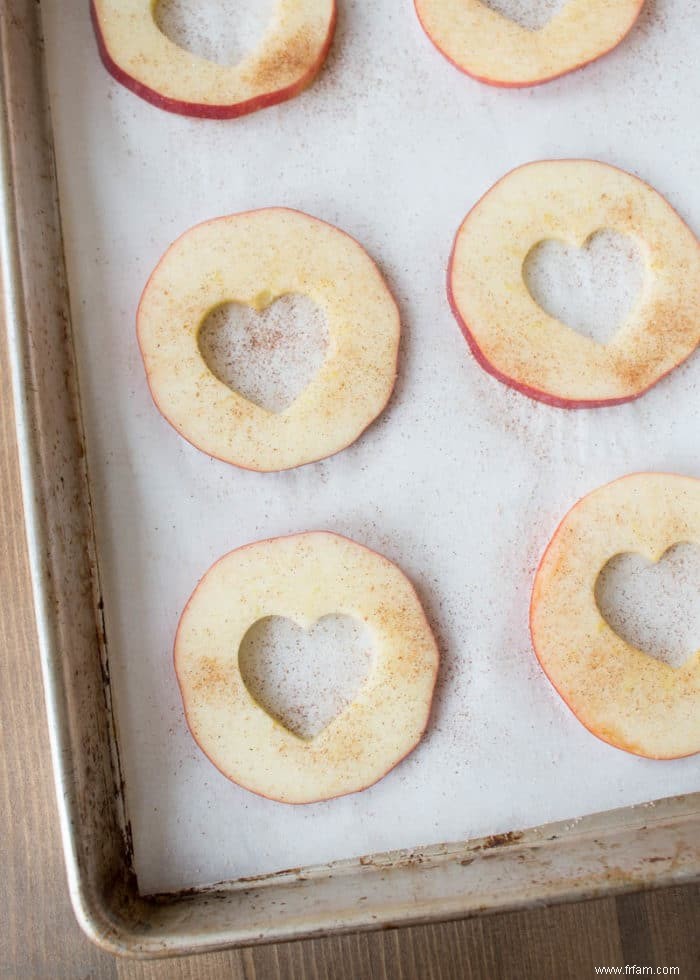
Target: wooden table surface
(39, 937)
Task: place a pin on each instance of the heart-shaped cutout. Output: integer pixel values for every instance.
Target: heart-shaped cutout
(268, 357)
(209, 28)
(305, 678)
(591, 289)
(530, 14)
(654, 607)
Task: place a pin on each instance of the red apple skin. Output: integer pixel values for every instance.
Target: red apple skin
(309, 462)
(533, 83)
(321, 799)
(204, 110)
(556, 401)
(616, 743)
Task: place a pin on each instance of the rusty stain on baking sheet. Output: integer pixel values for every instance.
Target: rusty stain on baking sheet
(268, 877)
(501, 840)
(379, 862)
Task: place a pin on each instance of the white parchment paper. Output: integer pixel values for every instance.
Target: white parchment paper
(462, 481)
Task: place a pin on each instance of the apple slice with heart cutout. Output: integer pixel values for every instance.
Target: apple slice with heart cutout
(305, 577)
(253, 259)
(626, 697)
(137, 53)
(513, 338)
(493, 48)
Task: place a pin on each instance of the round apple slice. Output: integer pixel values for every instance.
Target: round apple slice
(511, 335)
(137, 53)
(253, 259)
(622, 695)
(305, 577)
(494, 49)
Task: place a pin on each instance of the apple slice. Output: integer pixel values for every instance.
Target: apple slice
(494, 49)
(622, 695)
(253, 259)
(511, 335)
(305, 577)
(137, 53)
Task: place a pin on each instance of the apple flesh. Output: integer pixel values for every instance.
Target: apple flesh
(624, 696)
(253, 259)
(141, 57)
(305, 577)
(513, 338)
(494, 49)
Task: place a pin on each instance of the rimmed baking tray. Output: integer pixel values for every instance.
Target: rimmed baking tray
(651, 844)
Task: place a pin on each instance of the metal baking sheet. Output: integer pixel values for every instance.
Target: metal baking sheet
(393, 146)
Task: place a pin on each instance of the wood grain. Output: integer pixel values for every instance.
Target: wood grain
(40, 939)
